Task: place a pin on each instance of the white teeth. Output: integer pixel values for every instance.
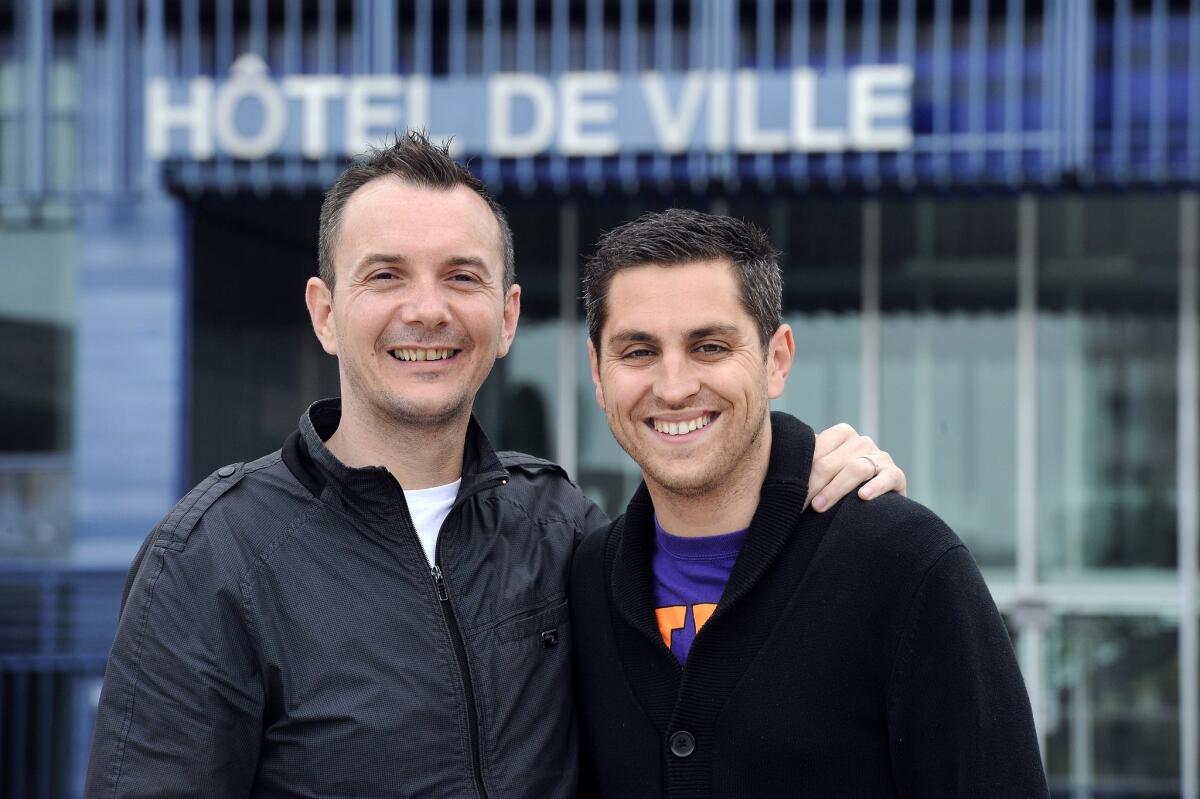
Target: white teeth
(422, 355)
(681, 428)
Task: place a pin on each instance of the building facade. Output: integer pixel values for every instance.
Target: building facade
(989, 212)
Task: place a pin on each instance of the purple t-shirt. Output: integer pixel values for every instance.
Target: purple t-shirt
(689, 577)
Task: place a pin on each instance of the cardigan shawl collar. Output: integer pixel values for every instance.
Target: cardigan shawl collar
(783, 494)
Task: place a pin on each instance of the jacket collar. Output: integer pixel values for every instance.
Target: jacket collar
(373, 488)
(784, 491)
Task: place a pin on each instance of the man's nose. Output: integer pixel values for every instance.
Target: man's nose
(676, 381)
(424, 304)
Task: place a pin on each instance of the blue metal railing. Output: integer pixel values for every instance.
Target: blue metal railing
(56, 625)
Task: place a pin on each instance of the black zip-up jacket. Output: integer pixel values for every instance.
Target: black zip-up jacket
(282, 635)
(854, 653)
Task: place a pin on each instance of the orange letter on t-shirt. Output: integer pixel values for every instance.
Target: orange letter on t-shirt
(669, 620)
(702, 612)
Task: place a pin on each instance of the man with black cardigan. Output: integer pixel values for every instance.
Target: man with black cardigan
(727, 642)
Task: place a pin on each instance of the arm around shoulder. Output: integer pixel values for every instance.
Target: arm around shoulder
(959, 715)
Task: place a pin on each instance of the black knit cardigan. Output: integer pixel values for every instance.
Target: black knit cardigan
(855, 653)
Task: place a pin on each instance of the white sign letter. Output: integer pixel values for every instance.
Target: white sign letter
(673, 126)
(502, 90)
(248, 81)
(750, 138)
(363, 115)
(806, 136)
(718, 112)
(314, 93)
(868, 105)
(191, 115)
(578, 110)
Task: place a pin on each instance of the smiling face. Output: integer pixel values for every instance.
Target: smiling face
(419, 313)
(682, 377)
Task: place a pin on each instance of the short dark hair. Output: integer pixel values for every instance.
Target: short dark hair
(679, 236)
(414, 159)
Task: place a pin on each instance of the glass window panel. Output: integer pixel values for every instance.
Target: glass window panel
(525, 383)
(37, 328)
(948, 363)
(821, 246)
(1107, 344)
(1113, 722)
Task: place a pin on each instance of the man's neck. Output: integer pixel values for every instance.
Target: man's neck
(728, 507)
(417, 456)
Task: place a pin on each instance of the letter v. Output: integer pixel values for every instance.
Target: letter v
(673, 126)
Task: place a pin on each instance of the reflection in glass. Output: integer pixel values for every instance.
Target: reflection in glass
(1113, 726)
(1107, 339)
(948, 363)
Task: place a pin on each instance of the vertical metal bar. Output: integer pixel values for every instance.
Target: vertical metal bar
(627, 163)
(664, 61)
(423, 38)
(594, 53)
(699, 57)
(567, 426)
(258, 28)
(1081, 712)
(1188, 476)
(327, 63)
(977, 87)
(1193, 72)
(20, 726)
(458, 37)
(360, 34)
(870, 55)
(869, 323)
(1159, 76)
(525, 63)
(943, 23)
(38, 39)
(491, 65)
(44, 720)
(835, 62)
(189, 67)
(259, 174)
(1050, 79)
(560, 62)
(1122, 76)
(1086, 54)
(116, 100)
(88, 90)
(293, 60)
(1014, 93)
(800, 59)
(1032, 638)
(223, 49)
(764, 60)
(385, 25)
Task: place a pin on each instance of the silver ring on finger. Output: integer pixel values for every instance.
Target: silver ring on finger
(874, 464)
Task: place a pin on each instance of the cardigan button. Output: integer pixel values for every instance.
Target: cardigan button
(682, 744)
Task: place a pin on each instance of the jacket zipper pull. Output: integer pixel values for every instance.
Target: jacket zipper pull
(439, 583)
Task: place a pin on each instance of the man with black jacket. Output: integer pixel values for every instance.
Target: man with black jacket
(379, 608)
(729, 644)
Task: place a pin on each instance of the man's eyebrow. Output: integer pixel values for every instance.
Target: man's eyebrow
(716, 329)
(632, 337)
(370, 259)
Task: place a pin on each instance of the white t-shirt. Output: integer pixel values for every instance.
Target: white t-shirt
(429, 508)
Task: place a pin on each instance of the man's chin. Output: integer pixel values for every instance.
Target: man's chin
(429, 414)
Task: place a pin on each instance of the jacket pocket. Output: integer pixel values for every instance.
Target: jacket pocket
(542, 620)
(526, 713)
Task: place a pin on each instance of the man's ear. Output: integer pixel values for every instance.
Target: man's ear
(594, 360)
(320, 311)
(781, 350)
(512, 312)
